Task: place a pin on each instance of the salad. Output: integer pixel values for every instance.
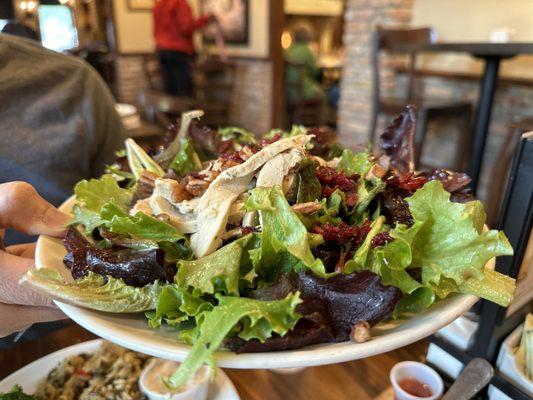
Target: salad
(273, 243)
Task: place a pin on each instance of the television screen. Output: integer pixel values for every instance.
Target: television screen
(3, 23)
(58, 29)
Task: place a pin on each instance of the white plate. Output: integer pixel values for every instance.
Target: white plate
(131, 330)
(29, 376)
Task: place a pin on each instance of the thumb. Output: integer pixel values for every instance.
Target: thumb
(22, 209)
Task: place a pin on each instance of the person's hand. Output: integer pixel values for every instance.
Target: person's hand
(22, 209)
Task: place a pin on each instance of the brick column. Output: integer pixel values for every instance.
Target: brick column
(360, 18)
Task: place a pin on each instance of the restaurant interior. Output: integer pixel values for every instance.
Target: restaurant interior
(347, 66)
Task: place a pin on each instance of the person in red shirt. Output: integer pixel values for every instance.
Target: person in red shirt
(174, 25)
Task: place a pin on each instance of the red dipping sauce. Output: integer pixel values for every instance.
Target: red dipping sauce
(415, 388)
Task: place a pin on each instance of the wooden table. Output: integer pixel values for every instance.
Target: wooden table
(492, 54)
(362, 380)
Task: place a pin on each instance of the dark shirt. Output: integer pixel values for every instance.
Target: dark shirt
(57, 119)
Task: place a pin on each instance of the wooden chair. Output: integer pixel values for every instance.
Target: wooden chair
(155, 105)
(213, 90)
(502, 167)
(300, 111)
(387, 40)
(152, 72)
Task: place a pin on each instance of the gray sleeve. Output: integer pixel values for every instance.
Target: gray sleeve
(107, 130)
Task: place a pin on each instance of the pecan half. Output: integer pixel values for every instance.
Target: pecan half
(197, 187)
(307, 208)
(360, 332)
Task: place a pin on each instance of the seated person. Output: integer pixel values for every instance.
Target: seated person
(58, 123)
(299, 53)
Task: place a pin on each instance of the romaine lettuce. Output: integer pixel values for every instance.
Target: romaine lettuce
(94, 291)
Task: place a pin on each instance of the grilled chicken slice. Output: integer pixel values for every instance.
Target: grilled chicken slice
(216, 202)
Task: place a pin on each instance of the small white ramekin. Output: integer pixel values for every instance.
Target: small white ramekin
(197, 391)
(422, 373)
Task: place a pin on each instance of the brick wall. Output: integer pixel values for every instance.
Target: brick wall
(251, 105)
(511, 101)
(360, 18)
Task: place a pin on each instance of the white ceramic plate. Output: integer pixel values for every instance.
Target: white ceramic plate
(29, 376)
(131, 330)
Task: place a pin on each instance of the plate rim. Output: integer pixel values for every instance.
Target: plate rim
(90, 346)
(320, 354)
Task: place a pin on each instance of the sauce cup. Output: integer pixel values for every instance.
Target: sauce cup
(420, 372)
(151, 384)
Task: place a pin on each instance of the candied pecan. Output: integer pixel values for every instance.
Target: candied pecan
(147, 179)
(179, 193)
(360, 332)
(197, 187)
(307, 208)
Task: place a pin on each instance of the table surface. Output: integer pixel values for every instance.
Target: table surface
(477, 48)
(361, 379)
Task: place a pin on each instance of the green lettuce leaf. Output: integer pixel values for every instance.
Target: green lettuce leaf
(259, 319)
(240, 135)
(366, 191)
(444, 238)
(444, 252)
(355, 163)
(359, 260)
(284, 237)
(95, 193)
(186, 160)
(217, 272)
(94, 291)
(175, 305)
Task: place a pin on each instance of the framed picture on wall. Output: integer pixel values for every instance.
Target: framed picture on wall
(232, 17)
(243, 25)
(141, 5)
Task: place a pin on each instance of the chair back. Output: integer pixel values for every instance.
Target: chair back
(152, 72)
(389, 40)
(159, 108)
(213, 90)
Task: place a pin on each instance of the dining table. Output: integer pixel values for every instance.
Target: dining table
(492, 54)
(365, 379)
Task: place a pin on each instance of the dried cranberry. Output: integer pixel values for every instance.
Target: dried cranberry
(381, 239)
(226, 145)
(409, 182)
(266, 142)
(248, 229)
(232, 156)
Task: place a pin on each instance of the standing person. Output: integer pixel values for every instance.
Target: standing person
(300, 53)
(174, 26)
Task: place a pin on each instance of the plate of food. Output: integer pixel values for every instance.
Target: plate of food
(93, 369)
(280, 252)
